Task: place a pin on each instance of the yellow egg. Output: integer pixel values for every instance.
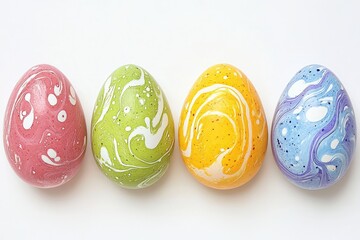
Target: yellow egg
(223, 130)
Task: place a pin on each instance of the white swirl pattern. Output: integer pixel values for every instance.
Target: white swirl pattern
(148, 130)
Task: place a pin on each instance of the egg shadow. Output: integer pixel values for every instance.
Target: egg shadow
(147, 192)
(152, 190)
(67, 189)
(244, 189)
(251, 187)
(335, 191)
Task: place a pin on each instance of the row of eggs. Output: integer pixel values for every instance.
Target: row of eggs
(222, 130)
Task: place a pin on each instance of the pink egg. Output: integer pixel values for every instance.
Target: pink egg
(44, 129)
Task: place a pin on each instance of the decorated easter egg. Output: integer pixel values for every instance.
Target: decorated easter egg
(132, 128)
(44, 130)
(223, 129)
(314, 130)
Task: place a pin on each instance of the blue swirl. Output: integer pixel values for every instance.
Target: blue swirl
(314, 129)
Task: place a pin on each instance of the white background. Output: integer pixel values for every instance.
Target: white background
(176, 41)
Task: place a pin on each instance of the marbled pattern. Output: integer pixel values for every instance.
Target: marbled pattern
(132, 128)
(313, 130)
(223, 129)
(44, 128)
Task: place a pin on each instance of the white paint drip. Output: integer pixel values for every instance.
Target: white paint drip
(72, 96)
(326, 99)
(105, 156)
(51, 152)
(27, 97)
(151, 139)
(17, 159)
(217, 89)
(107, 96)
(22, 115)
(299, 86)
(297, 110)
(133, 83)
(128, 166)
(315, 114)
(215, 171)
(331, 168)
(126, 109)
(199, 130)
(326, 158)
(22, 87)
(329, 88)
(52, 99)
(160, 110)
(334, 143)
(62, 115)
(29, 119)
(58, 89)
(51, 157)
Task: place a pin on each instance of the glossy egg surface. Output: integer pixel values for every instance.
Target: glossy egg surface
(44, 128)
(314, 129)
(132, 128)
(223, 129)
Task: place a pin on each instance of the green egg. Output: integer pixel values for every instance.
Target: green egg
(132, 128)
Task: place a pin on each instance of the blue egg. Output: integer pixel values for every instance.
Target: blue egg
(314, 130)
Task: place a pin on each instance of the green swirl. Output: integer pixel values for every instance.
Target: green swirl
(132, 129)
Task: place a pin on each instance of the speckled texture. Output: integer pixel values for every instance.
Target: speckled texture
(223, 130)
(132, 128)
(44, 129)
(313, 131)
